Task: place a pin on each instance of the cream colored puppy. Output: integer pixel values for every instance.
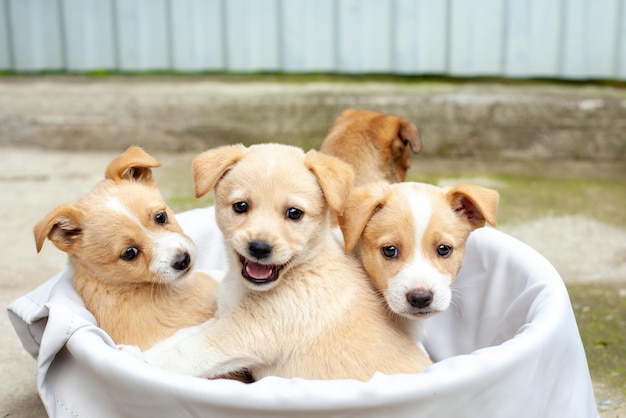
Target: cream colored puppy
(293, 303)
(411, 239)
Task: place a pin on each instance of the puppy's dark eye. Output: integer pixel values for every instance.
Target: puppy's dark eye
(294, 214)
(130, 253)
(160, 218)
(444, 250)
(240, 207)
(390, 251)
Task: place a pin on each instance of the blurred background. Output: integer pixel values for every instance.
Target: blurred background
(573, 39)
(525, 96)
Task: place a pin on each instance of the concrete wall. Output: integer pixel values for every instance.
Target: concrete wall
(195, 113)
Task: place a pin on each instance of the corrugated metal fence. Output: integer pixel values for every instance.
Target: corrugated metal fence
(573, 39)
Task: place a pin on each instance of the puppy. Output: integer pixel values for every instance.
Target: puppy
(410, 238)
(130, 260)
(377, 145)
(292, 303)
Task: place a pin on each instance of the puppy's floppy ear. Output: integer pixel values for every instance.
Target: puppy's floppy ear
(61, 226)
(409, 133)
(134, 165)
(334, 176)
(475, 203)
(361, 205)
(211, 165)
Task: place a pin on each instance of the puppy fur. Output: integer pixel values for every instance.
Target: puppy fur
(130, 260)
(377, 145)
(410, 238)
(293, 303)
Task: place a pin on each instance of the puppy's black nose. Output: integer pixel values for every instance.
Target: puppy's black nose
(419, 298)
(181, 262)
(259, 249)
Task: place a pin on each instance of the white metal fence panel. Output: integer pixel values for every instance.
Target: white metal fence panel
(620, 72)
(5, 42)
(309, 30)
(197, 36)
(252, 35)
(35, 34)
(533, 38)
(421, 37)
(88, 34)
(575, 39)
(589, 47)
(143, 34)
(364, 40)
(476, 37)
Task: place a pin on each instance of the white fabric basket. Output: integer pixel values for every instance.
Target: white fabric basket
(508, 347)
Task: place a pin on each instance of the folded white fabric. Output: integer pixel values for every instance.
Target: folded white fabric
(508, 347)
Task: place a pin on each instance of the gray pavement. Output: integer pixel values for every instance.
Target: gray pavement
(31, 184)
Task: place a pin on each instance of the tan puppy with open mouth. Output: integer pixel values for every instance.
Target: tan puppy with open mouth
(292, 303)
(377, 145)
(130, 260)
(411, 239)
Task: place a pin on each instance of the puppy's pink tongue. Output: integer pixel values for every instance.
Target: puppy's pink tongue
(258, 271)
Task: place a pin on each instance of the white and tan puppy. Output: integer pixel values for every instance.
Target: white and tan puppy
(293, 303)
(411, 238)
(130, 260)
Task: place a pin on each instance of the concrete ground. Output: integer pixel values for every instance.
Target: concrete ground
(45, 173)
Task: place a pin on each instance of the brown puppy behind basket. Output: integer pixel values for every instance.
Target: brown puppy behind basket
(377, 145)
